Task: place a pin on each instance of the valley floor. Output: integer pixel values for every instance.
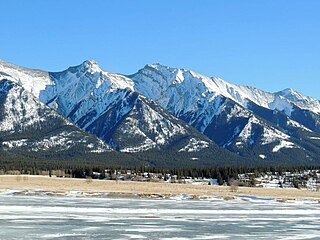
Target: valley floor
(62, 186)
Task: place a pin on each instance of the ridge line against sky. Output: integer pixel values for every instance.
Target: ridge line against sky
(271, 45)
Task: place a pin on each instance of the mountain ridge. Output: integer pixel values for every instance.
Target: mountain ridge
(243, 120)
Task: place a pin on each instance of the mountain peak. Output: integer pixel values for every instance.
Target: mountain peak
(292, 94)
(90, 62)
(158, 67)
(91, 65)
(288, 91)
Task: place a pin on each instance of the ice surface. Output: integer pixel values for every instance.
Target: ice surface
(44, 217)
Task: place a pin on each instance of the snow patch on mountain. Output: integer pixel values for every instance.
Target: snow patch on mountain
(61, 142)
(146, 145)
(238, 112)
(14, 143)
(284, 144)
(194, 145)
(236, 132)
(315, 138)
(131, 129)
(247, 132)
(271, 135)
(262, 156)
(281, 104)
(293, 123)
(99, 147)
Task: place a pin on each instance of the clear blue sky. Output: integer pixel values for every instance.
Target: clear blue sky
(270, 44)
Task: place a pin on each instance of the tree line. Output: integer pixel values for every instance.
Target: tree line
(78, 170)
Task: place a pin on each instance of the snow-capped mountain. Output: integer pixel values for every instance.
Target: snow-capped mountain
(162, 113)
(180, 90)
(105, 104)
(238, 118)
(29, 127)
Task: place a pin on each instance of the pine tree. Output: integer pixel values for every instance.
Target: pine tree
(219, 178)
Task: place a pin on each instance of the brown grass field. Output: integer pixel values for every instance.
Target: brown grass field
(62, 185)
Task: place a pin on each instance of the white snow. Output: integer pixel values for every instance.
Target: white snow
(246, 133)
(21, 109)
(152, 128)
(284, 144)
(62, 141)
(304, 102)
(315, 138)
(282, 104)
(146, 145)
(271, 135)
(14, 143)
(130, 129)
(293, 123)
(32, 80)
(194, 145)
(262, 156)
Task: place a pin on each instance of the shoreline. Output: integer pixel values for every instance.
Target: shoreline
(31, 184)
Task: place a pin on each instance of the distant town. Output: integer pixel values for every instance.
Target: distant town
(307, 179)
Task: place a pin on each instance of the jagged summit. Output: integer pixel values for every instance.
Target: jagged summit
(156, 81)
(287, 90)
(291, 93)
(90, 62)
(156, 66)
(304, 102)
(91, 65)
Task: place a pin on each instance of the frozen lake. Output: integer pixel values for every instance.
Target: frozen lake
(50, 217)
